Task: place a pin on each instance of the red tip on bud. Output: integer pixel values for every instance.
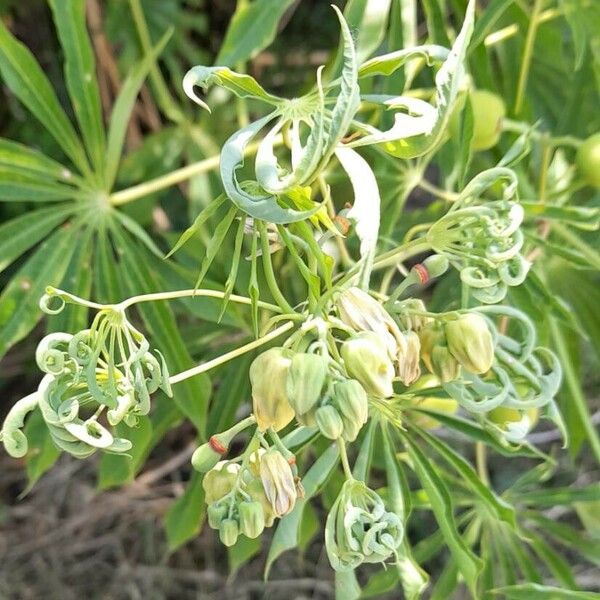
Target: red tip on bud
(216, 445)
(422, 272)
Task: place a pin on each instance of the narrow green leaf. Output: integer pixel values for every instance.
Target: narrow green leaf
(77, 280)
(497, 507)
(26, 80)
(582, 217)
(468, 564)
(436, 26)
(369, 19)
(184, 517)
(251, 29)
(25, 231)
(138, 231)
(23, 160)
(42, 453)
(241, 552)
(115, 469)
(557, 565)
(202, 218)
(123, 106)
(527, 591)
(560, 496)
(487, 19)
(80, 75)
(19, 310)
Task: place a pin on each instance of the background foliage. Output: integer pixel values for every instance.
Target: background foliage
(92, 108)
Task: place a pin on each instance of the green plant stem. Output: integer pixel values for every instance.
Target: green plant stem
(481, 461)
(174, 177)
(215, 362)
(572, 382)
(268, 270)
(344, 456)
(165, 100)
(522, 127)
(191, 294)
(511, 30)
(534, 22)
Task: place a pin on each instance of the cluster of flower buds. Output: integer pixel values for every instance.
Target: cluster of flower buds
(359, 529)
(313, 388)
(107, 367)
(380, 351)
(245, 498)
(484, 241)
(462, 342)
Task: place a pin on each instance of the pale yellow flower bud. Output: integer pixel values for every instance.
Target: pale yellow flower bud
(268, 376)
(278, 482)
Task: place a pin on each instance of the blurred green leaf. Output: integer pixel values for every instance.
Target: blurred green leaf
(184, 517)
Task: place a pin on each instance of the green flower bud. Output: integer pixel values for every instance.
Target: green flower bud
(366, 359)
(256, 491)
(305, 380)
(329, 422)
(278, 482)
(363, 313)
(220, 480)
(351, 401)
(470, 342)
(229, 532)
(408, 360)
(435, 354)
(216, 512)
(205, 457)
(252, 518)
(268, 377)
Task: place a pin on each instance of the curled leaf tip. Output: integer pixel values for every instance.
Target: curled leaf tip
(189, 81)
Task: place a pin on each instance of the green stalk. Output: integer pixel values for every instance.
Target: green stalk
(534, 22)
(268, 270)
(572, 383)
(165, 100)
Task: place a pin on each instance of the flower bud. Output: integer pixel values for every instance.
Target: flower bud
(305, 380)
(256, 491)
(252, 518)
(408, 360)
(366, 359)
(216, 512)
(363, 313)
(229, 532)
(407, 319)
(435, 354)
(329, 422)
(220, 480)
(268, 377)
(278, 482)
(351, 401)
(470, 342)
(205, 457)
